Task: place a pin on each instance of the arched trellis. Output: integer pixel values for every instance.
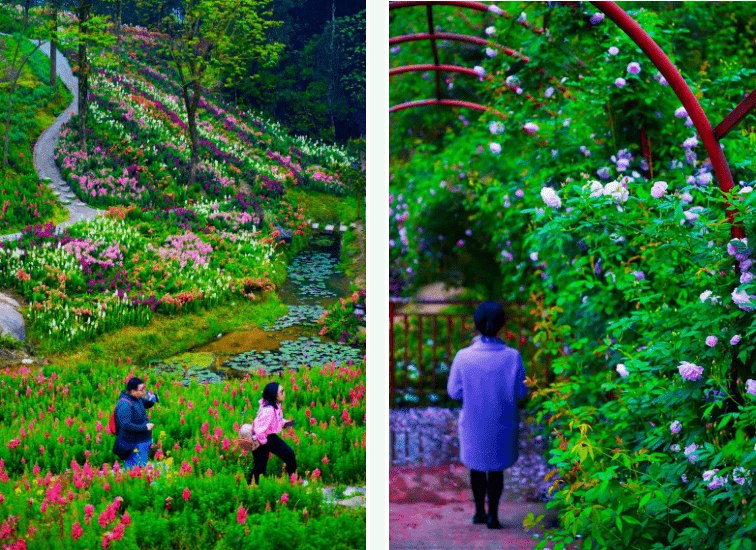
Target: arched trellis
(710, 137)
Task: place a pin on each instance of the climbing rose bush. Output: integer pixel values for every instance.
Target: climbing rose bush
(653, 413)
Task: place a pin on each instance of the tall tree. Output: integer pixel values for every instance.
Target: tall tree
(85, 7)
(331, 68)
(90, 31)
(202, 41)
(13, 73)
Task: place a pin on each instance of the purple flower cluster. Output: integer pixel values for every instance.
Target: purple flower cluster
(33, 236)
(185, 218)
(690, 371)
(743, 255)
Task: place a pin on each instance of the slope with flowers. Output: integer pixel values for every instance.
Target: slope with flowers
(162, 249)
(140, 151)
(162, 246)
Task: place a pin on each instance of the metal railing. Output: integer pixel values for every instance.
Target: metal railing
(423, 342)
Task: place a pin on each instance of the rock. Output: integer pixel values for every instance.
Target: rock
(11, 320)
(285, 234)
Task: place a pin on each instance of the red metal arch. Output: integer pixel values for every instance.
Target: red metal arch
(709, 137)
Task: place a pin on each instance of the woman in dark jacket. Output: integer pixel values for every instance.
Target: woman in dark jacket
(132, 423)
(489, 378)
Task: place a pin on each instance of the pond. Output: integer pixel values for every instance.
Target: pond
(313, 283)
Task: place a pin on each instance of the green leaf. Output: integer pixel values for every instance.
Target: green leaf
(724, 421)
(618, 521)
(644, 500)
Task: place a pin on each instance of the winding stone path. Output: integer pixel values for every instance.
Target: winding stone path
(44, 151)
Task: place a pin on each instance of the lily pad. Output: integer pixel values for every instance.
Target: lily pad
(309, 271)
(303, 316)
(293, 354)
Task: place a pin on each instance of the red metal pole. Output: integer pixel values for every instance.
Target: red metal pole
(430, 67)
(458, 38)
(737, 114)
(479, 6)
(684, 93)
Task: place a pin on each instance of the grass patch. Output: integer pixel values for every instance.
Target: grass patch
(350, 256)
(168, 335)
(324, 208)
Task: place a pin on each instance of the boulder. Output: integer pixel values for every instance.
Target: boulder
(11, 320)
(285, 234)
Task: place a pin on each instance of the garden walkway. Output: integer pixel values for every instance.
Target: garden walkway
(44, 151)
(430, 507)
(430, 501)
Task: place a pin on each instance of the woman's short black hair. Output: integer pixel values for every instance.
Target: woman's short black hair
(270, 394)
(489, 318)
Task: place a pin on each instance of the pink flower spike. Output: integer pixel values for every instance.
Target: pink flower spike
(241, 515)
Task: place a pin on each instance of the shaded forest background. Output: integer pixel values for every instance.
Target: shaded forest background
(317, 87)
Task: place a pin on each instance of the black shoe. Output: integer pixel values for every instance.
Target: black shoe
(493, 523)
(480, 519)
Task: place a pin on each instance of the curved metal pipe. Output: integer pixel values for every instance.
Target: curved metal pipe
(479, 6)
(447, 102)
(430, 67)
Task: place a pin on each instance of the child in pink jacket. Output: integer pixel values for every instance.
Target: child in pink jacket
(268, 424)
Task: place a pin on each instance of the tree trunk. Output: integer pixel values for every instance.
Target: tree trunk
(191, 115)
(7, 125)
(119, 39)
(54, 48)
(331, 75)
(26, 14)
(194, 140)
(84, 8)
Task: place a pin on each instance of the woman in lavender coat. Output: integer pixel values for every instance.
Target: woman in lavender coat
(489, 377)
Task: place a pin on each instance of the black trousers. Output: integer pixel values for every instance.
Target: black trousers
(278, 447)
(493, 486)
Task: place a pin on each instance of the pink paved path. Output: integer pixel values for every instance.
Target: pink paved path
(432, 508)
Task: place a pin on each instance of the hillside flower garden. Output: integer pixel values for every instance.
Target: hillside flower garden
(621, 243)
(161, 248)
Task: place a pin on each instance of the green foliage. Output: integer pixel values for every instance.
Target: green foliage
(648, 310)
(9, 342)
(442, 160)
(342, 323)
(634, 287)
